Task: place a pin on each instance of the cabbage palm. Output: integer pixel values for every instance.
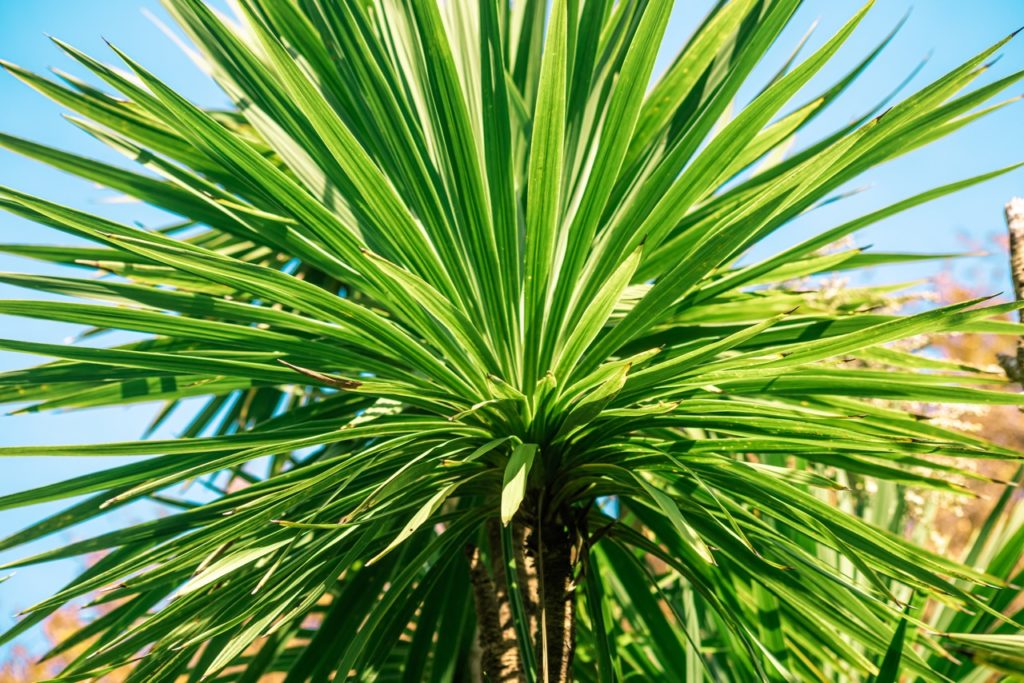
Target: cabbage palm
(483, 385)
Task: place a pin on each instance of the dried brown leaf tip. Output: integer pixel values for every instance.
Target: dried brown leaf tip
(331, 380)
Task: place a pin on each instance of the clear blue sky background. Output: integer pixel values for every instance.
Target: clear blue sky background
(952, 30)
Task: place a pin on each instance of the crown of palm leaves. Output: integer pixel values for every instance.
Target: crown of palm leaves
(453, 274)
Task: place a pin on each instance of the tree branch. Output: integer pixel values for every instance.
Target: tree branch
(1013, 366)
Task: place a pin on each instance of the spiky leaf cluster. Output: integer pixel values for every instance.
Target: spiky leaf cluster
(452, 262)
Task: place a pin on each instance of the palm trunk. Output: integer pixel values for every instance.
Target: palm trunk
(555, 577)
(499, 652)
(545, 569)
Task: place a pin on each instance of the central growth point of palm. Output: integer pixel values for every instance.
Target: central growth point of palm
(482, 380)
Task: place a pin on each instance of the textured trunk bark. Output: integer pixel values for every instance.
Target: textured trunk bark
(545, 558)
(526, 572)
(556, 562)
(499, 651)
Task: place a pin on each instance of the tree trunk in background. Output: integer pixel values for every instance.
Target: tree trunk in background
(1015, 225)
(1014, 366)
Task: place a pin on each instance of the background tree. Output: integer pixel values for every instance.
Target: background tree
(492, 387)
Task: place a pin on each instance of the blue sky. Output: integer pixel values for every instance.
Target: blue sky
(951, 30)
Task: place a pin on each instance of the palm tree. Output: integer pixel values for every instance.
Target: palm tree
(483, 385)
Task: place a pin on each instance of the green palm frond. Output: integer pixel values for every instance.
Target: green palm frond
(466, 309)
